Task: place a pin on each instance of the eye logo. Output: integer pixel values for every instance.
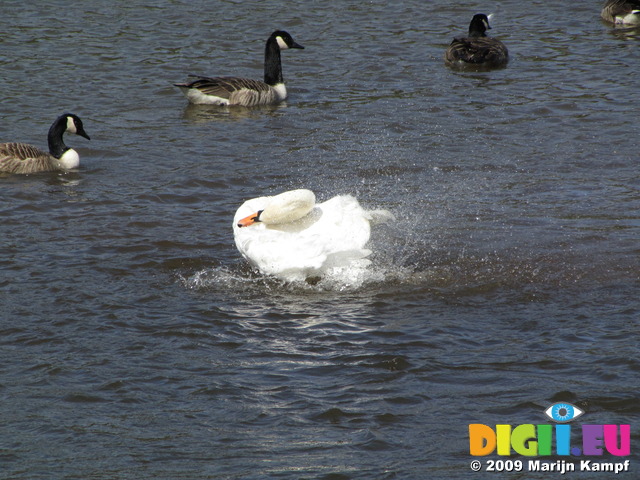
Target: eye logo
(563, 412)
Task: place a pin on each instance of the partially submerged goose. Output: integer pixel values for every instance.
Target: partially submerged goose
(23, 158)
(244, 91)
(293, 238)
(622, 12)
(477, 50)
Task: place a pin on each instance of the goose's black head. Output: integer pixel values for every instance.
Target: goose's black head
(74, 125)
(284, 40)
(479, 25)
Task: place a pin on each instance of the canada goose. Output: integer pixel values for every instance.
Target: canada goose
(244, 91)
(621, 12)
(477, 49)
(23, 158)
(292, 237)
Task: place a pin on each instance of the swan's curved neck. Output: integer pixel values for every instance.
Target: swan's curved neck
(54, 138)
(288, 207)
(272, 63)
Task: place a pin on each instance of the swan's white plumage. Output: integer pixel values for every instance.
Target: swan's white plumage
(288, 207)
(329, 239)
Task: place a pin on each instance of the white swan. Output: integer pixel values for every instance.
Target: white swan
(293, 238)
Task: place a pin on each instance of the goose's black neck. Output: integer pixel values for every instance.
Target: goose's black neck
(56, 143)
(272, 63)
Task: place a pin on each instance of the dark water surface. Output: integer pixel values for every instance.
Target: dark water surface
(137, 344)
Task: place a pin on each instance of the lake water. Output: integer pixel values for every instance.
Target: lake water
(137, 343)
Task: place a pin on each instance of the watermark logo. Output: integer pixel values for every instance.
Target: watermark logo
(542, 440)
(563, 412)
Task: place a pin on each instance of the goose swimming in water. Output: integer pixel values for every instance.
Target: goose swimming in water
(477, 50)
(293, 238)
(23, 158)
(244, 91)
(622, 12)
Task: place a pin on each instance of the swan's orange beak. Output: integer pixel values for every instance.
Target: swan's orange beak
(250, 220)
